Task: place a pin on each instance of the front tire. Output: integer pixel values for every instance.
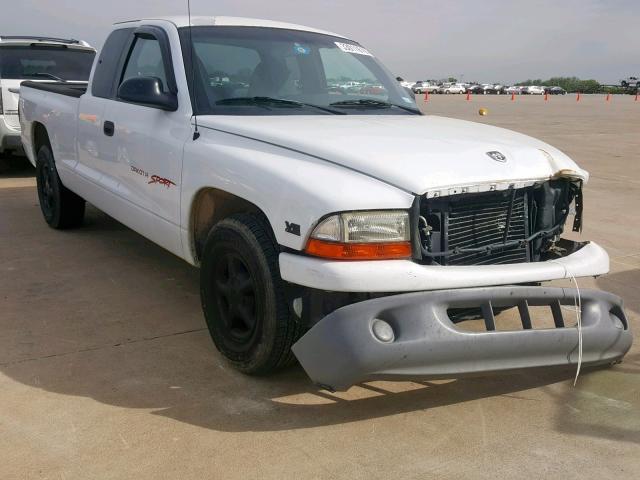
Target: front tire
(243, 296)
(60, 207)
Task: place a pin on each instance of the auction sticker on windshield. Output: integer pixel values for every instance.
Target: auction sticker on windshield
(301, 49)
(349, 48)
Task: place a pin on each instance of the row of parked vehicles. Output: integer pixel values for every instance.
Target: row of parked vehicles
(421, 87)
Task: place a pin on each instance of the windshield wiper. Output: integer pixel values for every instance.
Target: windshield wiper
(371, 103)
(49, 75)
(274, 102)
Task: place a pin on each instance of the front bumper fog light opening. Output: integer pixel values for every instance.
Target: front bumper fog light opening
(382, 331)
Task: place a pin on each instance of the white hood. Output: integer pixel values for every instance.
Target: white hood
(415, 153)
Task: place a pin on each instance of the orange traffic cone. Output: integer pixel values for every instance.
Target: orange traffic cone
(468, 96)
(426, 97)
(513, 97)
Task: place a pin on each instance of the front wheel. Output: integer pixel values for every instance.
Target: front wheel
(60, 207)
(243, 296)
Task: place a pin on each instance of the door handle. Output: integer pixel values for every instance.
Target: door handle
(109, 128)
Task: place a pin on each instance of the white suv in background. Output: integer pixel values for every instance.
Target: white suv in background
(454, 88)
(39, 59)
(535, 90)
(425, 87)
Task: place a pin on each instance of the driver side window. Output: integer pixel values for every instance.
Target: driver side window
(145, 60)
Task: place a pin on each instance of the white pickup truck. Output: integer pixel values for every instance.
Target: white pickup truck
(37, 59)
(347, 229)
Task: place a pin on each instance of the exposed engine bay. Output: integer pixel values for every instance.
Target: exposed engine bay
(500, 227)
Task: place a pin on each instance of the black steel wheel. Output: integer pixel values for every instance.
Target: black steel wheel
(46, 194)
(235, 298)
(60, 207)
(243, 296)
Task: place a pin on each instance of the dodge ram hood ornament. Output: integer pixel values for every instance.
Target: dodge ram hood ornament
(497, 156)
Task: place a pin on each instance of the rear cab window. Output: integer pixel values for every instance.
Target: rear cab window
(43, 61)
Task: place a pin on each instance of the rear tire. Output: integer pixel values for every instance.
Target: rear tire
(243, 296)
(60, 207)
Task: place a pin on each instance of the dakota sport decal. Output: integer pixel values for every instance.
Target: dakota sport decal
(153, 179)
(162, 181)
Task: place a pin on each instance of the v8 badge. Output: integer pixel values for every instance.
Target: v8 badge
(292, 228)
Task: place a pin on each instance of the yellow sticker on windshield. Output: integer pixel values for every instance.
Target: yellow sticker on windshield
(350, 48)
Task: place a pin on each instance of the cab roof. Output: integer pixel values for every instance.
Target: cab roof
(199, 21)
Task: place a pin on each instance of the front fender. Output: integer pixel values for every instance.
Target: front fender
(288, 186)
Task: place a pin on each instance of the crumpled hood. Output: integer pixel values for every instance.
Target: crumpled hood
(415, 153)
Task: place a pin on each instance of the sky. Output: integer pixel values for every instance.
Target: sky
(478, 40)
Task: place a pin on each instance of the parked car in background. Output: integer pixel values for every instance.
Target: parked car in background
(352, 86)
(534, 90)
(454, 88)
(404, 83)
(513, 90)
(630, 83)
(38, 59)
(475, 89)
(374, 90)
(555, 90)
(424, 87)
(489, 89)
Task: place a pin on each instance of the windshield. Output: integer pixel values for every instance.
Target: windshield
(42, 62)
(268, 71)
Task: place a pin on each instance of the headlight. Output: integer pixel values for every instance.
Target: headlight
(373, 235)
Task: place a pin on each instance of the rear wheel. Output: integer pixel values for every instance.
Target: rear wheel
(60, 207)
(243, 296)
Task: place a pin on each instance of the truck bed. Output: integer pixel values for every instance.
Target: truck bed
(75, 90)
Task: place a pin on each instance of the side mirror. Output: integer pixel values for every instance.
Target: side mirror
(147, 91)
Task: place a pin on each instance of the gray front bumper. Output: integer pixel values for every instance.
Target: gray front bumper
(341, 349)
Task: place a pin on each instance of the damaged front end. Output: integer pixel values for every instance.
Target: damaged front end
(361, 336)
(515, 225)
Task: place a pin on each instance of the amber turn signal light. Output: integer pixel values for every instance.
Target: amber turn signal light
(359, 251)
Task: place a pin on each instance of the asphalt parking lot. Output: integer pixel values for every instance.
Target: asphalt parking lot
(107, 369)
